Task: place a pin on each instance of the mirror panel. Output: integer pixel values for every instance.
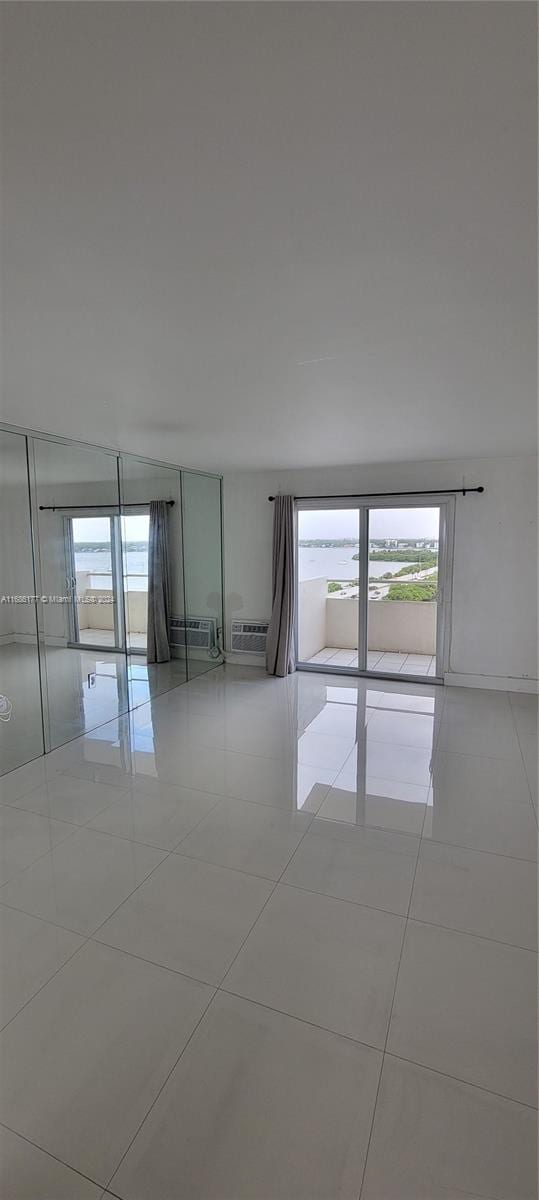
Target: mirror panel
(153, 585)
(81, 622)
(201, 504)
(21, 728)
(119, 562)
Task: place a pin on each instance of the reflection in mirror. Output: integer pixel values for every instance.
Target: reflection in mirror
(81, 620)
(201, 500)
(21, 731)
(152, 569)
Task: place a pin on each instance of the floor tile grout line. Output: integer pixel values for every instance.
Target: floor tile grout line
(370, 1046)
(471, 934)
(283, 1012)
(77, 949)
(181, 688)
(167, 855)
(276, 883)
(522, 757)
(422, 837)
(390, 1015)
(17, 807)
(207, 864)
(43, 854)
(151, 962)
(125, 716)
(391, 912)
(458, 1079)
(210, 862)
(49, 1154)
(164, 1084)
(429, 841)
(497, 758)
(124, 837)
(219, 797)
(45, 920)
(408, 918)
(100, 834)
(291, 1016)
(208, 791)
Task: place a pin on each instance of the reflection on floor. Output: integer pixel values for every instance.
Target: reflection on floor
(275, 915)
(105, 637)
(378, 660)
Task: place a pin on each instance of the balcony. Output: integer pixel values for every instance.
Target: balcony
(95, 611)
(401, 633)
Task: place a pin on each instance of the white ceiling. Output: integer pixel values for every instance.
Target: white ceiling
(241, 235)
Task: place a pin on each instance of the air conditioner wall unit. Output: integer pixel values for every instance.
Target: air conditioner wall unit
(197, 632)
(249, 636)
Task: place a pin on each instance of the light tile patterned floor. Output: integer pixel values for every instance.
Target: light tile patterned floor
(378, 660)
(274, 939)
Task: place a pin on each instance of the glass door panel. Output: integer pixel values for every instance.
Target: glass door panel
(328, 587)
(95, 592)
(21, 729)
(135, 532)
(403, 590)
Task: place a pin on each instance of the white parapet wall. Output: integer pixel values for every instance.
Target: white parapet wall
(400, 625)
(312, 617)
(96, 615)
(405, 625)
(341, 622)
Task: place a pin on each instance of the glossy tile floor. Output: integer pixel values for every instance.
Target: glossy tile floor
(378, 660)
(268, 939)
(106, 637)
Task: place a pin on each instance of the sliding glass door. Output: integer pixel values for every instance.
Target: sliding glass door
(328, 586)
(94, 580)
(402, 617)
(371, 583)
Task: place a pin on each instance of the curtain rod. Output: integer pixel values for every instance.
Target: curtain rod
(374, 495)
(77, 507)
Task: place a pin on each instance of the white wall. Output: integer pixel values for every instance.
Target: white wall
(494, 611)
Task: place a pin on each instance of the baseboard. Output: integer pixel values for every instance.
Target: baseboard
(10, 639)
(242, 658)
(501, 683)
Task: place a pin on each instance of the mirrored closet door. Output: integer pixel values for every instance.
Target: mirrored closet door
(21, 728)
(152, 578)
(110, 585)
(80, 616)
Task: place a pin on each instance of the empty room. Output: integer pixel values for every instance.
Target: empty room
(268, 600)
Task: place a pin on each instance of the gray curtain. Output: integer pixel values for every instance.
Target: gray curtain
(158, 584)
(280, 655)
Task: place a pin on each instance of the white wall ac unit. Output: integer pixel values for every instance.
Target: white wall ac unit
(199, 632)
(249, 636)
